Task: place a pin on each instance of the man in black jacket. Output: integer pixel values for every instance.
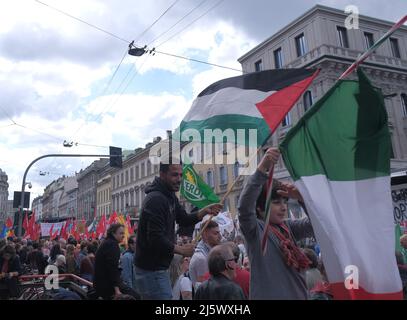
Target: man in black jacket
(107, 280)
(156, 233)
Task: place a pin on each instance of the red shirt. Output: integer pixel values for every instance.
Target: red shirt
(242, 279)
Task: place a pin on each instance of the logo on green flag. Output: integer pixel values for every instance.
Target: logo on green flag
(195, 190)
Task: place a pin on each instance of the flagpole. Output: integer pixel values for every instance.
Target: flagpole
(367, 53)
(315, 74)
(197, 238)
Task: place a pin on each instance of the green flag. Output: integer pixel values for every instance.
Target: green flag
(195, 190)
(398, 235)
(339, 157)
(398, 232)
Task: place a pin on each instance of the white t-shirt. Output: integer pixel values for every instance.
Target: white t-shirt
(182, 284)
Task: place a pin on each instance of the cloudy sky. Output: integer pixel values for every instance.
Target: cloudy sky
(56, 73)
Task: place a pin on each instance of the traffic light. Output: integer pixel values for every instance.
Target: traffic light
(115, 157)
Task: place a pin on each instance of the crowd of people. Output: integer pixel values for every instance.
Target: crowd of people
(154, 264)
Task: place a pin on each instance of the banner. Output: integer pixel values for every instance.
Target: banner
(45, 227)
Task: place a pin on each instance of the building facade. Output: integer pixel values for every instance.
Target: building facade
(68, 199)
(36, 207)
(104, 191)
(59, 198)
(87, 188)
(3, 196)
(129, 183)
(319, 39)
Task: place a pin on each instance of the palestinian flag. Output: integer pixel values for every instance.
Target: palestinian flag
(339, 157)
(258, 100)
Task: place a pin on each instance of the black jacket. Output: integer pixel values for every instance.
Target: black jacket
(107, 272)
(156, 230)
(219, 288)
(13, 264)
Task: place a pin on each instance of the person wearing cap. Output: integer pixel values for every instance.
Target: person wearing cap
(280, 273)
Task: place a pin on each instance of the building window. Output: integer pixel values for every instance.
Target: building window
(287, 120)
(209, 178)
(156, 168)
(122, 179)
(236, 169)
(223, 177)
(300, 45)
(143, 170)
(343, 37)
(258, 66)
(307, 98)
(404, 104)
(137, 198)
(369, 40)
(148, 168)
(137, 173)
(114, 182)
(127, 176)
(395, 50)
(278, 59)
(131, 174)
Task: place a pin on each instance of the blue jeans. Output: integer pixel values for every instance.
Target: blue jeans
(153, 285)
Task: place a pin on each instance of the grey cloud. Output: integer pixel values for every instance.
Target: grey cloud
(18, 99)
(261, 18)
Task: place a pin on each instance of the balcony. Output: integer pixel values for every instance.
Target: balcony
(330, 50)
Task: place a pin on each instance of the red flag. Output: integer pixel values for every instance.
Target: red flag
(128, 222)
(25, 224)
(31, 226)
(64, 234)
(50, 232)
(112, 218)
(101, 227)
(37, 231)
(9, 223)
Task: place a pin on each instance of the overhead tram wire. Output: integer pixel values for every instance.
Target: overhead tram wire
(83, 21)
(175, 24)
(137, 71)
(103, 93)
(129, 42)
(158, 19)
(125, 54)
(7, 115)
(189, 24)
(99, 29)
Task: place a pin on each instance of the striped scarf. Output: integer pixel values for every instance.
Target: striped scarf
(292, 255)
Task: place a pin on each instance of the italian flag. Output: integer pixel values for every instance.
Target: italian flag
(339, 157)
(258, 100)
